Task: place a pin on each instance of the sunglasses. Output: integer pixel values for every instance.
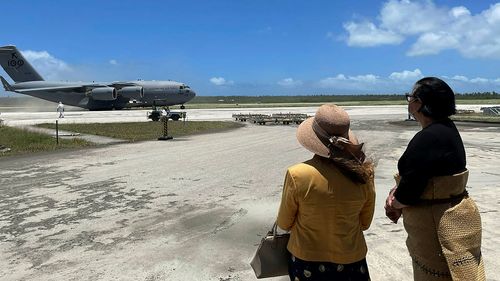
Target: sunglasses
(411, 98)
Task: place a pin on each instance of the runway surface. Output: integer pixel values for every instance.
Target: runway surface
(195, 208)
(83, 116)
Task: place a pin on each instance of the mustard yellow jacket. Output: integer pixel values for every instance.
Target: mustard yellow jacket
(325, 212)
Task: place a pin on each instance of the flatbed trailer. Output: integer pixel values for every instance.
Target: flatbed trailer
(277, 118)
(245, 117)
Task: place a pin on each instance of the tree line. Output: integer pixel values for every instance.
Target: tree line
(326, 98)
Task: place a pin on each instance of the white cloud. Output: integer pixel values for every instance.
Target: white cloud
(479, 80)
(289, 82)
(332, 81)
(48, 66)
(400, 82)
(433, 43)
(220, 81)
(473, 81)
(359, 82)
(435, 29)
(369, 78)
(367, 35)
(113, 62)
(460, 78)
(460, 11)
(407, 75)
(410, 17)
(492, 15)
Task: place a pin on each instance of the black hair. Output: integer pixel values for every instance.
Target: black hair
(438, 99)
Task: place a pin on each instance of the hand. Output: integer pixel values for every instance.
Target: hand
(391, 211)
(393, 214)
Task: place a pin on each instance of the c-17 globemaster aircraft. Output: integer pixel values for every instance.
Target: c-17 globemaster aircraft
(92, 96)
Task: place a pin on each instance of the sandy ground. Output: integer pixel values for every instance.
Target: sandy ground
(195, 208)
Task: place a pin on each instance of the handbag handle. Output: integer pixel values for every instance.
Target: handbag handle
(274, 230)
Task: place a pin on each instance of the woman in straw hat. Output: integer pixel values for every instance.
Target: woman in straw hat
(328, 201)
(442, 221)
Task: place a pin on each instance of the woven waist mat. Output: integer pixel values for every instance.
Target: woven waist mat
(445, 239)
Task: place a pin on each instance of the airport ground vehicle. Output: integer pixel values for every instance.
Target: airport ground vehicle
(156, 114)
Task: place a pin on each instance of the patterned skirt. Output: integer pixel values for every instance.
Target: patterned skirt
(300, 270)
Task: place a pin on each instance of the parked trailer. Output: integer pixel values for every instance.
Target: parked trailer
(493, 110)
(277, 118)
(245, 117)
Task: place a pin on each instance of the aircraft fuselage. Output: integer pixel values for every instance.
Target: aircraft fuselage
(93, 96)
(163, 93)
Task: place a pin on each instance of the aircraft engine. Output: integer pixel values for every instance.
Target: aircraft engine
(132, 92)
(104, 93)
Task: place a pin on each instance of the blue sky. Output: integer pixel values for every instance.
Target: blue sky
(254, 47)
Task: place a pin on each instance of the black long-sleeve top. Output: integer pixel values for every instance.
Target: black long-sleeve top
(437, 150)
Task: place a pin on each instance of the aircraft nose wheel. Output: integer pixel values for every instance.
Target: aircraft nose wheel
(183, 107)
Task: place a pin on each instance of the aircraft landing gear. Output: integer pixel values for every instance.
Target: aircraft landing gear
(183, 107)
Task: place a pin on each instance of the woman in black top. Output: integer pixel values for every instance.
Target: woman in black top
(442, 221)
(437, 150)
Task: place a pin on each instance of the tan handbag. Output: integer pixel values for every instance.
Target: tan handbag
(271, 258)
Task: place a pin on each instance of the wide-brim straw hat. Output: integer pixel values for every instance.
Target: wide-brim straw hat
(327, 134)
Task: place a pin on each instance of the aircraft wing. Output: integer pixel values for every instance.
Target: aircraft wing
(74, 87)
(78, 88)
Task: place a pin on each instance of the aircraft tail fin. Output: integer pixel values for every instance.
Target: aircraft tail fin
(18, 68)
(6, 85)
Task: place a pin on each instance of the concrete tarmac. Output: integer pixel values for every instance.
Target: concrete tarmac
(27, 117)
(195, 208)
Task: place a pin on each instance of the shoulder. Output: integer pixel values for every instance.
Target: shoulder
(300, 169)
(305, 169)
(425, 137)
(435, 133)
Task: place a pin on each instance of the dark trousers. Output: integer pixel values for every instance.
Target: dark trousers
(300, 270)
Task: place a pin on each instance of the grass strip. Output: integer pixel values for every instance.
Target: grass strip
(311, 103)
(476, 117)
(140, 131)
(22, 141)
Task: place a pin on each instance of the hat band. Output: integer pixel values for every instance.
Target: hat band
(323, 136)
(338, 143)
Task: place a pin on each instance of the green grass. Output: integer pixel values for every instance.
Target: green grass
(478, 101)
(476, 117)
(255, 104)
(271, 105)
(325, 98)
(22, 142)
(140, 131)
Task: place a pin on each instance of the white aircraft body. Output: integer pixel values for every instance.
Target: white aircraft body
(92, 96)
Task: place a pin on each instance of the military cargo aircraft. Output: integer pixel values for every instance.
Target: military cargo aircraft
(92, 96)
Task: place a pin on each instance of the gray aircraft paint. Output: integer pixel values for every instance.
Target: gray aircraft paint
(92, 96)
